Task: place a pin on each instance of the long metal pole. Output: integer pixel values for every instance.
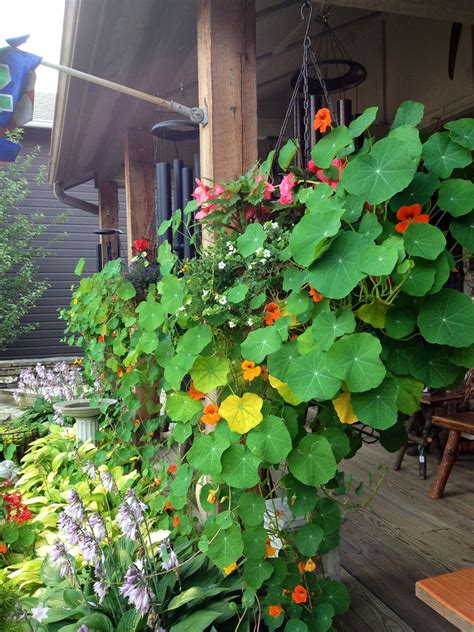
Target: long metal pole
(198, 115)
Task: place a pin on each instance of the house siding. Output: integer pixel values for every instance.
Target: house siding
(57, 269)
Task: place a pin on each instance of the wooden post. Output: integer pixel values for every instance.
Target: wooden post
(108, 216)
(139, 187)
(227, 87)
(447, 462)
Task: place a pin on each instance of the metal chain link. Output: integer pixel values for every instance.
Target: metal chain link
(306, 51)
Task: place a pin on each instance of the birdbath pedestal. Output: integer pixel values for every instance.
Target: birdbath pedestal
(85, 415)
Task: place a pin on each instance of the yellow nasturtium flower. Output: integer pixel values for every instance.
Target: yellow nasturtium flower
(343, 408)
(242, 413)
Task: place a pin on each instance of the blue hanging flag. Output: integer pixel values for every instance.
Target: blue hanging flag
(17, 82)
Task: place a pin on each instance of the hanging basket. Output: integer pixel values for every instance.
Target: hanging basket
(354, 75)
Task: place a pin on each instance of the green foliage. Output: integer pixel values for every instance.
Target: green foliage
(20, 287)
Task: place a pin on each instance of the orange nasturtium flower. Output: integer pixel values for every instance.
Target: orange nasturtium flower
(269, 549)
(211, 415)
(275, 611)
(172, 469)
(316, 296)
(168, 506)
(3, 548)
(230, 569)
(322, 120)
(212, 496)
(310, 566)
(194, 393)
(408, 215)
(264, 372)
(120, 372)
(175, 522)
(299, 594)
(272, 313)
(251, 371)
(101, 338)
(301, 567)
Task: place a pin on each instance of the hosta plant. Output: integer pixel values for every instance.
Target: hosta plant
(327, 295)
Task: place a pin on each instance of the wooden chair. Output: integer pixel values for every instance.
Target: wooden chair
(451, 596)
(456, 424)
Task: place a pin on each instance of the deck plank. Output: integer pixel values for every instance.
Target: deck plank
(401, 537)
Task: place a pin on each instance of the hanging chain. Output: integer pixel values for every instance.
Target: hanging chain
(304, 68)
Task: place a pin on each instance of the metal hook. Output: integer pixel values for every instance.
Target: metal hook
(307, 4)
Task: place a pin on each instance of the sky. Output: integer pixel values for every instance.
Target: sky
(43, 20)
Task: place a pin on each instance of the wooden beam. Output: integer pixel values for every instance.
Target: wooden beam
(227, 86)
(449, 10)
(108, 217)
(139, 187)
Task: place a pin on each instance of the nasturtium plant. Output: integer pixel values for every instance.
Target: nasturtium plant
(323, 299)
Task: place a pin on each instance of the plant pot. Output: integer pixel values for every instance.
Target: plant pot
(85, 415)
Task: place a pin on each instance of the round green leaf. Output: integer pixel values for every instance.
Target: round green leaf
(335, 594)
(442, 270)
(298, 302)
(399, 356)
(172, 292)
(462, 357)
(323, 615)
(206, 453)
(126, 291)
(330, 325)
(379, 174)
(462, 229)
(151, 314)
(296, 625)
(254, 541)
(377, 408)
(256, 572)
(301, 498)
(240, 467)
(309, 378)
(225, 545)
(420, 279)
(355, 359)
(408, 113)
(378, 260)
(339, 441)
(362, 122)
(330, 145)
(196, 339)
(209, 372)
(311, 235)
(336, 274)
(270, 441)
(441, 155)
(419, 191)
(251, 509)
(409, 395)
(308, 539)
(447, 318)
(433, 367)
(370, 226)
(462, 132)
(312, 462)
(237, 293)
(410, 137)
(260, 343)
(424, 240)
(399, 322)
(456, 197)
(181, 407)
(279, 361)
(251, 240)
(328, 515)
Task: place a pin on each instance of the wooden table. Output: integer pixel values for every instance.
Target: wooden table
(451, 596)
(456, 424)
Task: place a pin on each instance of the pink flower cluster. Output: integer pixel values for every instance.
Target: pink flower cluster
(320, 172)
(287, 183)
(203, 194)
(269, 188)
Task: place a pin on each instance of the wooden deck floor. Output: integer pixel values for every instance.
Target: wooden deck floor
(403, 536)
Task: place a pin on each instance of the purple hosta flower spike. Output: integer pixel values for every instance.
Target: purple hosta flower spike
(69, 528)
(168, 556)
(39, 613)
(59, 557)
(108, 482)
(89, 548)
(136, 588)
(100, 585)
(90, 470)
(130, 515)
(75, 509)
(98, 527)
(83, 628)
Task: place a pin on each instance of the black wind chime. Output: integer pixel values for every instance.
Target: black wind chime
(326, 70)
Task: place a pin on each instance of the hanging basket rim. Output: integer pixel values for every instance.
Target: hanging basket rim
(356, 74)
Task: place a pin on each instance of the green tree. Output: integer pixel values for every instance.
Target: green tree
(20, 287)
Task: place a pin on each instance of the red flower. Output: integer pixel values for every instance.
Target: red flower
(272, 313)
(169, 506)
(312, 166)
(332, 183)
(299, 594)
(275, 611)
(322, 120)
(269, 188)
(16, 511)
(316, 296)
(172, 469)
(175, 522)
(101, 338)
(409, 215)
(141, 245)
(3, 548)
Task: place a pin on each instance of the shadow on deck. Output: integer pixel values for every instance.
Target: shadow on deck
(401, 537)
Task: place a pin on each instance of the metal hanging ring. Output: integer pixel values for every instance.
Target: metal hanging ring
(355, 75)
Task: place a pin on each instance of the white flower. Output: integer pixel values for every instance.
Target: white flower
(274, 225)
(231, 324)
(40, 613)
(266, 253)
(205, 293)
(221, 265)
(259, 250)
(250, 321)
(181, 309)
(223, 300)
